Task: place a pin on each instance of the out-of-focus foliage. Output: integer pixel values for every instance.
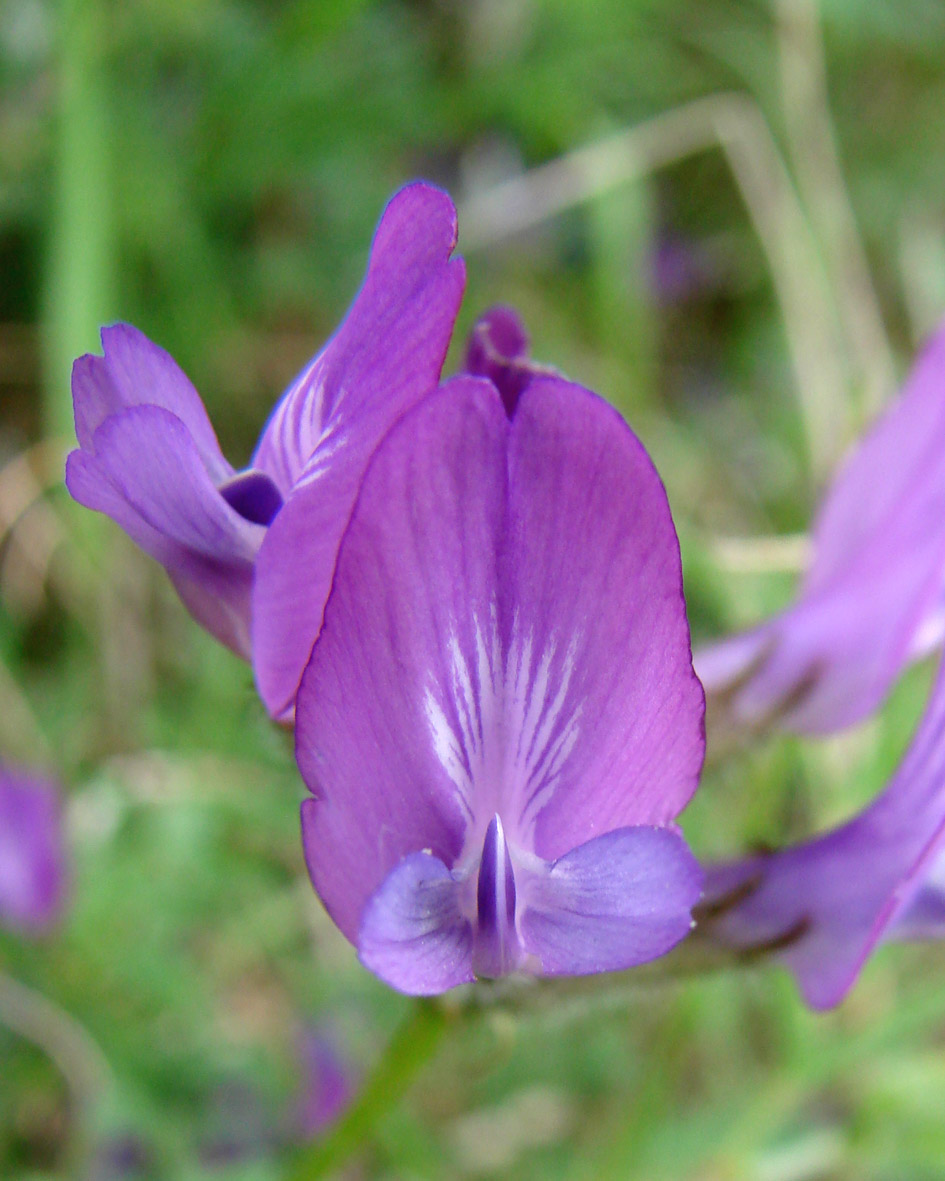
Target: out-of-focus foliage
(211, 170)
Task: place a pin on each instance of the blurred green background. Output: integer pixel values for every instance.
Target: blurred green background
(745, 277)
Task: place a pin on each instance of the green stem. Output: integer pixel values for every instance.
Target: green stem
(79, 273)
(412, 1046)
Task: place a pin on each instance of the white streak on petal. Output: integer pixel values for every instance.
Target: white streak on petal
(514, 725)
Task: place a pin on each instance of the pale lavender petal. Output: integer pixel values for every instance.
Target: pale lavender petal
(388, 353)
(923, 917)
(136, 372)
(592, 570)
(617, 901)
(829, 661)
(826, 903)
(33, 874)
(872, 599)
(413, 934)
(894, 471)
(498, 349)
(146, 473)
(417, 572)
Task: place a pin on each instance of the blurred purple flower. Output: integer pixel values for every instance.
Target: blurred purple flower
(825, 904)
(681, 269)
(328, 1082)
(500, 722)
(32, 853)
(874, 596)
(251, 553)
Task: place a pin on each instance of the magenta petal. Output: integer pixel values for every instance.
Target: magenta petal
(146, 474)
(136, 372)
(388, 353)
(413, 934)
(32, 853)
(830, 900)
(593, 572)
(616, 901)
(874, 590)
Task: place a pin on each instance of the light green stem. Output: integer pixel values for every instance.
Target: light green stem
(79, 272)
(412, 1046)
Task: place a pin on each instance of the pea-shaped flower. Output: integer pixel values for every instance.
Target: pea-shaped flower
(874, 596)
(251, 553)
(500, 722)
(824, 905)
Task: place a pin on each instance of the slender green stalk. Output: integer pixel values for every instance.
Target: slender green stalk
(39, 1020)
(412, 1046)
(79, 273)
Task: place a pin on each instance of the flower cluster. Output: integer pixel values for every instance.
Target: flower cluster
(467, 595)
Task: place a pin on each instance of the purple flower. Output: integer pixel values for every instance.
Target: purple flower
(500, 722)
(32, 853)
(825, 904)
(874, 596)
(251, 553)
(327, 1082)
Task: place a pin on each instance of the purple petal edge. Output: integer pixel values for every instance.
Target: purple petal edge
(872, 599)
(823, 905)
(616, 901)
(387, 354)
(413, 935)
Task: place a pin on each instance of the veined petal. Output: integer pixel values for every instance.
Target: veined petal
(591, 572)
(388, 353)
(32, 853)
(872, 599)
(146, 473)
(506, 627)
(413, 934)
(616, 901)
(830, 900)
(415, 573)
(136, 372)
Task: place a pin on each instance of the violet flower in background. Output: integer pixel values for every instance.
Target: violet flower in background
(874, 596)
(33, 875)
(830, 900)
(328, 1082)
(251, 553)
(500, 723)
